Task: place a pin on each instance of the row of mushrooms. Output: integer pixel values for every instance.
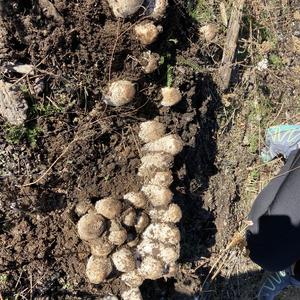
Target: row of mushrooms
(136, 237)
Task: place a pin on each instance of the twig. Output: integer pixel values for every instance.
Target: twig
(231, 43)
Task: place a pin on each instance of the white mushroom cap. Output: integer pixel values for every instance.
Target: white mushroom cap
(108, 207)
(172, 214)
(117, 234)
(151, 268)
(101, 247)
(164, 179)
(142, 222)
(120, 92)
(90, 226)
(170, 96)
(156, 8)
(171, 144)
(132, 294)
(147, 32)
(151, 131)
(162, 232)
(138, 199)
(125, 8)
(98, 269)
(123, 260)
(158, 195)
(132, 278)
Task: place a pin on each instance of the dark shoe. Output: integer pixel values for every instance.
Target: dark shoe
(275, 283)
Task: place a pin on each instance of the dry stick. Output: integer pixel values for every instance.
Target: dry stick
(231, 43)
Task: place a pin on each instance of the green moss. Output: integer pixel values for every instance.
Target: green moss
(201, 11)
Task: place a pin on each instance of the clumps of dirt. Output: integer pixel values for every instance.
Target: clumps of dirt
(137, 234)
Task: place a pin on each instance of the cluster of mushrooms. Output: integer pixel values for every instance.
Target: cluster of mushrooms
(136, 237)
(147, 31)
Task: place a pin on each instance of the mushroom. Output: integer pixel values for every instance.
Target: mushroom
(171, 144)
(117, 234)
(170, 96)
(98, 269)
(172, 214)
(138, 199)
(101, 247)
(132, 294)
(142, 222)
(151, 268)
(156, 8)
(147, 32)
(90, 226)
(125, 8)
(164, 233)
(151, 62)
(132, 278)
(151, 131)
(129, 217)
(108, 207)
(158, 195)
(164, 179)
(120, 92)
(209, 32)
(123, 260)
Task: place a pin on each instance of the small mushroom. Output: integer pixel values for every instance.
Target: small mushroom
(98, 269)
(158, 195)
(172, 214)
(82, 208)
(108, 207)
(129, 217)
(101, 247)
(142, 222)
(209, 32)
(151, 62)
(120, 92)
(151, 268)
(123, 260)
(147, 32)
(151, 131)
(170, 96)
(162, 232)
(171, 144)
(164, 179)
(156, 8)
(117, 234)
(154, 162)
(132, 294)
(132, 278)
(90, 226)
(125, 8)
(138, 199)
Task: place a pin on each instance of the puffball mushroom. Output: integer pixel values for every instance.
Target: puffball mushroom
(171, 144)
(151, 62)
(125, 8)
(82, 208)
(98, 269)
(101, 247)
(172, 214)
(158, 195)
(162, 179)
(165, 233)
(123, 260)
(117, 234)
(138, 199)
(209, 32)
(151, 268)
(142, 222)
(167, 253)
(147, 32)
(108, 207)
(132, 294)
(120, 92)
(170, 96)
(154, 162)
(132, 278)
(151, 131)
(90, 226)
(129, 217)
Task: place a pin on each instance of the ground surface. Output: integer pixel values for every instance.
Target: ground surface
(217, 175)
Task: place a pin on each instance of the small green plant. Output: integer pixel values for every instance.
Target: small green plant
(46, 109)
(15, 134)
(169, 75)
(275, 60)
(201, 11)
(3, 279)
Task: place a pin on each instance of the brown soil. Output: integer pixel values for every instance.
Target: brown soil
(78, 50)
